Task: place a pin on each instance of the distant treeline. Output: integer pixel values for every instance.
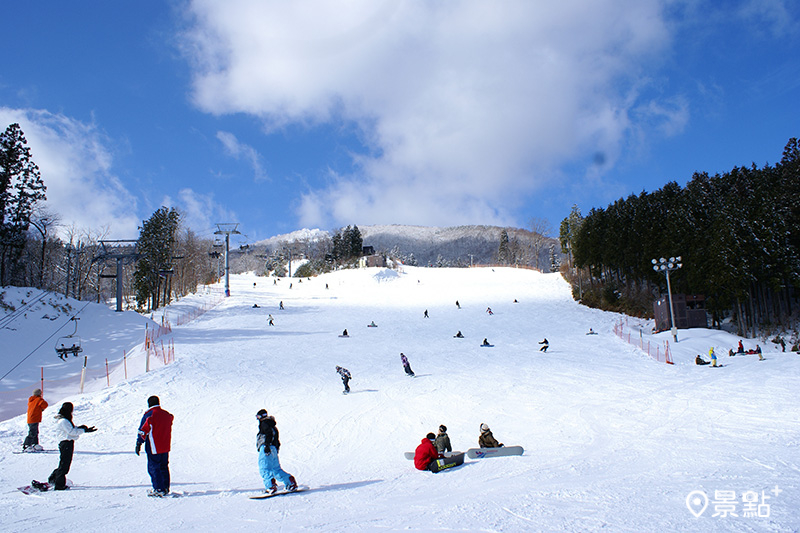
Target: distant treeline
(737, 233)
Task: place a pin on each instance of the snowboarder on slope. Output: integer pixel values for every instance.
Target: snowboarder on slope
(345, 378)
(713, 356)
(458, 305)
(486, 439)
(425, 315)
(700, 361)
(545, 346)
(486, 342)
(425, 454)
(155, 432)
(344, 333)
(271, 321)
(268, 444)
(442, 442)
(36, 404)
(280, 305)
(406, 364)
(458, 335)
(489, 310)
(68, 433)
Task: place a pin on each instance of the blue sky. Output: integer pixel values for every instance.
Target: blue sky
(284, 115)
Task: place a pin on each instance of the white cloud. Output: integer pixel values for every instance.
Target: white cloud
(76, 167)
(465, 106)
(200, 211)
(239, 150)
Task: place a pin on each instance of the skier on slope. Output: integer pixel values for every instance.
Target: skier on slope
(425, 454)
(545, 345)
(268, 445)
(406, 364)
(442, 442)
(345, 378)
(36, 404)
(486, 439)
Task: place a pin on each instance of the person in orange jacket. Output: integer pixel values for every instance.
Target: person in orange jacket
(425, 453)
(36, 405)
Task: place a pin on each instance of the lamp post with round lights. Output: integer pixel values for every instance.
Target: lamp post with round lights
(666, 266)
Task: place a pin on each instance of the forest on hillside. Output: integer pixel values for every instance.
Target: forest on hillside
(737, 234)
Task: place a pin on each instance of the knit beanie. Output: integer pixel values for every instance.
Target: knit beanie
(484, 428)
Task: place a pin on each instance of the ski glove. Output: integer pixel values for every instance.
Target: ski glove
(90, 429)
(138, 447)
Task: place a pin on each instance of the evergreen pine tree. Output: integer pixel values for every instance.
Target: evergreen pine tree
(21, 187)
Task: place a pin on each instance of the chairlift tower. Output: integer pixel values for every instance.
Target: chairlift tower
(120, 250)
(227, 229)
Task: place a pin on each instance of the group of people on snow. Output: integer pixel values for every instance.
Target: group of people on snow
(155, 434)
(433, 447)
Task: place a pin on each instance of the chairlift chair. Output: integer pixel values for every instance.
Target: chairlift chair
(69, 344)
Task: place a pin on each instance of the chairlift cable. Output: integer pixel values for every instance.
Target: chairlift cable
(44, 341)
(15, 314)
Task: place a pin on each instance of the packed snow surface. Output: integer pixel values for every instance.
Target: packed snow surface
(613, 439)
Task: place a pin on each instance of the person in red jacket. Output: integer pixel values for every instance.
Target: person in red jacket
(425, 453)
(36, 405)
(155, 432)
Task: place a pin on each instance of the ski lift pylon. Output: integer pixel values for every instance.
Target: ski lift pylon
(69, 344)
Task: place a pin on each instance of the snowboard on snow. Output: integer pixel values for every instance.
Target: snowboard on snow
(487, 345)
(35, 451)
(482, 453)
(266, 495)
(446, 462)
(37, 487)
(410, 455)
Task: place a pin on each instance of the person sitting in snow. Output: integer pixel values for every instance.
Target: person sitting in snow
(268, 445)
(545, 345)
(345, 378)
(442, 442)
(426, 453)
(487, 440)
(486, 342)
(700, 361)
(458, 335)
(344, 333)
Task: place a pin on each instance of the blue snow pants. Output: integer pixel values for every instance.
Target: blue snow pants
(158, 468)
(270, 467)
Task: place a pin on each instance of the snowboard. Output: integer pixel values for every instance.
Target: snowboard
(30, 489)
(482, 453)
(35, 451)
(300, 488)
(344, 336)
(410, 455)
(447, 462)
(487, 345)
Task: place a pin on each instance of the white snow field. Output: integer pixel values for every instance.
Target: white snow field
(613, 439)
